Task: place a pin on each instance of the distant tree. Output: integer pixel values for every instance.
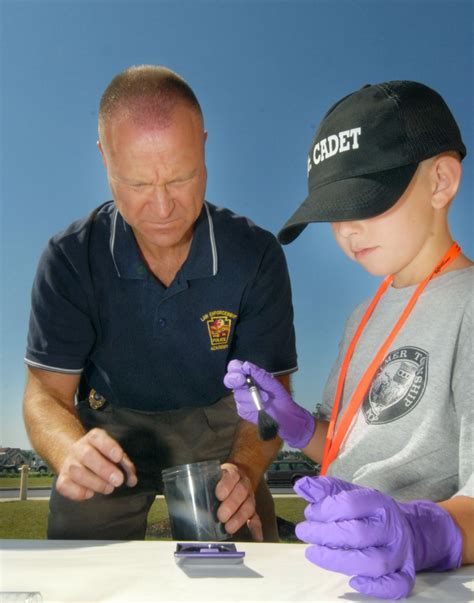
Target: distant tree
(28, 454)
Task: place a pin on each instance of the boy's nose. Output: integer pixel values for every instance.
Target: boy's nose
(346, 229)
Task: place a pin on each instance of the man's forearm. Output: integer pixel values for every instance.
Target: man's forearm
(251, 454)
(52, 429)
(461, 509)
(52, 423)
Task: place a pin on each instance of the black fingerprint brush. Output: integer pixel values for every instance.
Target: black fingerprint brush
(267, 426)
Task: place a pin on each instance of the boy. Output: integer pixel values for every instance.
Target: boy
(397, 409)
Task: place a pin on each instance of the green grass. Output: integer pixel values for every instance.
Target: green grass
(27, 519)
(34, 481)
(24, 519)
(290, 509)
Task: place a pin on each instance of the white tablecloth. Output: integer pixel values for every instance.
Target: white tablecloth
(132, 572)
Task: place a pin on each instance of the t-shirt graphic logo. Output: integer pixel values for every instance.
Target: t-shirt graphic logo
(397, 387)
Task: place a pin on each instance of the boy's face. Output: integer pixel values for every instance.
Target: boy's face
(398, 241)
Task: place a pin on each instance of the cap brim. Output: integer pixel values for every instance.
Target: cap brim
(356, 198)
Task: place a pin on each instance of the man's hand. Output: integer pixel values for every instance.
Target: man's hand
(238, 502)
(95, 464)
(382, 543)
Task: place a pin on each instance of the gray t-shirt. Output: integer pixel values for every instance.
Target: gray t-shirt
(412, 438)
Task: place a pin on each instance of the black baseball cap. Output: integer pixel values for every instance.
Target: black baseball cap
(367, 149)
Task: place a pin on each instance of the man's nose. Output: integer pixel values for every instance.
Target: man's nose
(162, 201)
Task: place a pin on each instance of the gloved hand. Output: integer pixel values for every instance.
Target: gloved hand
(366, 534)
(296, 423)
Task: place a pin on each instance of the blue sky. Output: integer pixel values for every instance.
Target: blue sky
(265, 72)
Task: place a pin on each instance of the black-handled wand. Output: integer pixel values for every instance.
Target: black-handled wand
(267, 426)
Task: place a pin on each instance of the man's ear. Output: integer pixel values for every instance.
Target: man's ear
(446, 176)
(101, 149)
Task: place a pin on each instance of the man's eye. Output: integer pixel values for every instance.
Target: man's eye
(181, 181)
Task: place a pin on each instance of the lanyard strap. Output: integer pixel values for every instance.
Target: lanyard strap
(334, 439)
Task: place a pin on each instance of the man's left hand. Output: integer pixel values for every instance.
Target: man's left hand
(237, 497)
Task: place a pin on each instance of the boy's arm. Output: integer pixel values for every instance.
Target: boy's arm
(315, 447)
(461, 509)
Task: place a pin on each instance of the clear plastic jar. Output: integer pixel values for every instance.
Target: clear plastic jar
(192, 502)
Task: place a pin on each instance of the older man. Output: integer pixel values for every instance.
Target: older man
(136, 311)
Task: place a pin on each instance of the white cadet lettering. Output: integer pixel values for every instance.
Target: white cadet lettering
(355, 137)
(333, 144)
(344, 141)
(317, 159)
(324, 149)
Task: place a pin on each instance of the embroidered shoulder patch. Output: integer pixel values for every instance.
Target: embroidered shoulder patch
(219, 327)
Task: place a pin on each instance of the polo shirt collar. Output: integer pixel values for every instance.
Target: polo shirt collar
(201, 262)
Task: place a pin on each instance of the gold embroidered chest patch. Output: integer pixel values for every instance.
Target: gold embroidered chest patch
(219, 327)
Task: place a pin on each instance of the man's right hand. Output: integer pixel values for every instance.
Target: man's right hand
(96, 463)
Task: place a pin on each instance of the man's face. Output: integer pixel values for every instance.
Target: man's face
(157, 175)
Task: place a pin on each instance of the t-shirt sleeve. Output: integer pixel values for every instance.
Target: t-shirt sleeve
(61, 333)
(264, 332)
(463, 396)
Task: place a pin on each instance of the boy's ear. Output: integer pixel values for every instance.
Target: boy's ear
(446, 176)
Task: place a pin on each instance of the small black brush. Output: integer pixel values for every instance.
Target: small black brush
(267, 426)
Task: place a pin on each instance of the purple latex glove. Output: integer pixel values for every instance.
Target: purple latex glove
(296, 425)
(366, 534)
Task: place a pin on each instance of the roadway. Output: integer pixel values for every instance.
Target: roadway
(44, 493)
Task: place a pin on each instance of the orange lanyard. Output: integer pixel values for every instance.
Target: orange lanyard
(334, 438)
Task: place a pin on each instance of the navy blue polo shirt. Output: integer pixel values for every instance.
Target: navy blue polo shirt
(98, 311)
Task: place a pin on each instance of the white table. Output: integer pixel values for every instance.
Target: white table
(132, 572)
